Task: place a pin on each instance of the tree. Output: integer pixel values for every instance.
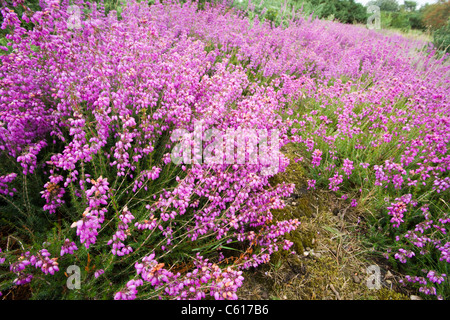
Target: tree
(415, 20)
(400, 21)
(385, 5)
(441, 38)
(436, 15)
(410, 6)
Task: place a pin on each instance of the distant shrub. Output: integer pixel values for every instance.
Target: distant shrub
(441, 38)
(436, 15)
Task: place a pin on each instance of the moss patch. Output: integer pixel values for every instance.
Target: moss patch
(387, 294)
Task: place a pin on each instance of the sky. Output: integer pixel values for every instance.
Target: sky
(419, 2)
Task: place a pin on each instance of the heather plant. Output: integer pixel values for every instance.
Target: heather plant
(389, 159)
(88, 118)
(384, 147)
(86, 137)
(441, 38)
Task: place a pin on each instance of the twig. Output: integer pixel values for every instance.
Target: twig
(335, 292)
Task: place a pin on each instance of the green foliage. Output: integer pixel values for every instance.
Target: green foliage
(410, 5)
(404, 19)
(416, 21)
(435, 16)
(279, 11)
(347, 11)
(272, 15)
(441, 38)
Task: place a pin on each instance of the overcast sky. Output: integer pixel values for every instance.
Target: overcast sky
(419, 2)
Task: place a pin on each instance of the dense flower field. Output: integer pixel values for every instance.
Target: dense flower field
(88, 111)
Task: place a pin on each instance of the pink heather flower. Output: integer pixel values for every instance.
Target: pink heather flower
(152, 271)
(98, 273)
(311, 184)
(53, 194)
(4, 181)
(166, 158)
(101, 109)
(428, 291)
(403, 254)
(445, 252)
(23, 279)
(348, 167)
(435, 277)
(68, 247)
(335, 181)
(43, 261)
(21, 263)
(94, 215)
(130, 292)
(397, 210)
(365, 165)
(316, 158)
(287, 244)
(118, 247)
(2, 260)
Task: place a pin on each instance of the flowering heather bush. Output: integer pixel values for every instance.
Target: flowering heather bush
(86, 120)
(91, 110)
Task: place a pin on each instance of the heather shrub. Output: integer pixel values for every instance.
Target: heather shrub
(87, 119)
(388, 158)
(383, 146)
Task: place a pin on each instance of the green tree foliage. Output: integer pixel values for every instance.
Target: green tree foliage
(415, 20)
(386, 5)
(400, 20)
(345, 11)
(404, 17)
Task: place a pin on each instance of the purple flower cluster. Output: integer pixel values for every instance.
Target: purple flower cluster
(94, 215)
(316, 158)
(335, 181)
(69, 247)
(53, 194)
(348, 167)
(2, 259)
(98, 273)
(4, 181)
(428, 283)
(206, 277)
(42, 260)
(149, 223)
(403, 254)
(421, 241)
(130, 292)
(118, 247)
(398, 209)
